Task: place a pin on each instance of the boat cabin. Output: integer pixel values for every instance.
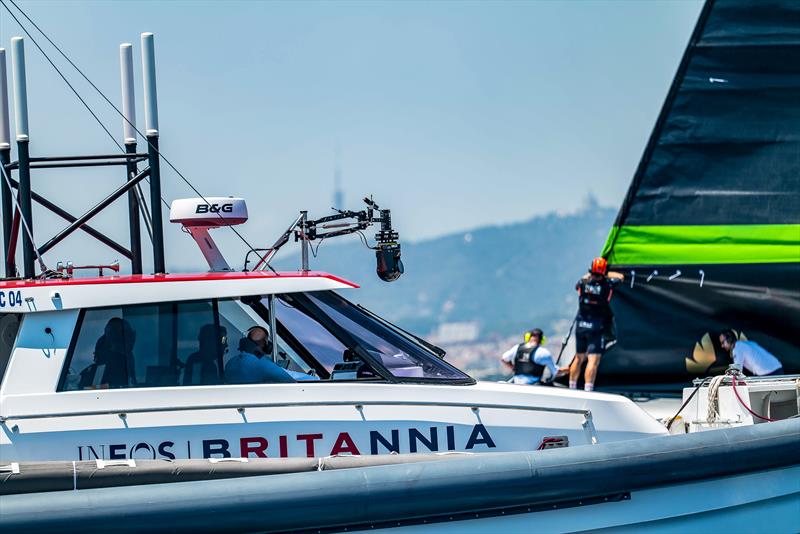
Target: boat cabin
(125, 332)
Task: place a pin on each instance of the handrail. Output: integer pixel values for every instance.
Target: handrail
(587, 424)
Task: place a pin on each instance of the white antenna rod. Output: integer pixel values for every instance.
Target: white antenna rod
(149, 73)
(5, 131)
(20, 87)
(128, 98)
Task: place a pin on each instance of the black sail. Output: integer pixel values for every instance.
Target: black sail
(708, 236)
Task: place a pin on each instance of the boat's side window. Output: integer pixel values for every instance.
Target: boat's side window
(104, 354)
(9, 326)
(153, 345)
(201, 343)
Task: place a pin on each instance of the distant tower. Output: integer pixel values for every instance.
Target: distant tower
(338, 194)
(590, 202)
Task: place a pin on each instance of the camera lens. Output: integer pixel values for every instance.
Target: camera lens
(389, 264)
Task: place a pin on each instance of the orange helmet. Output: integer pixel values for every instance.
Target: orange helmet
(599, 266)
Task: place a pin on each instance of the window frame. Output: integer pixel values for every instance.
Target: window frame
(73, 342)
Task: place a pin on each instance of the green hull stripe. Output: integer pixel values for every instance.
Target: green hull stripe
(680, 245)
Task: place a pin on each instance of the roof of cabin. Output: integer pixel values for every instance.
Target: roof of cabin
(70, 293)
(182, 277)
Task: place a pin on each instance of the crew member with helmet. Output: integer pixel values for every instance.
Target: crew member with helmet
(529, 359)
(593, 322)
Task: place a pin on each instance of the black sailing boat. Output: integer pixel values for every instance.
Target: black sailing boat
(708, 235)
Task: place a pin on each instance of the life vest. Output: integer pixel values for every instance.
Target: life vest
(523, 361)
(593, 298)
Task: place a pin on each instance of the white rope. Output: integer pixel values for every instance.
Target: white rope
(713, 398)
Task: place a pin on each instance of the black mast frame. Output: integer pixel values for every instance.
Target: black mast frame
(25, 196)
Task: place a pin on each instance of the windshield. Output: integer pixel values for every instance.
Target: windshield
(396, 353)
(319, 343)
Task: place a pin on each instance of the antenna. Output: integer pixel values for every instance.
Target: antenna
(151, 131)
(128, 98)
(23, 154)
(338, 194)
(5, 131)
(129, 138)
(5, 159)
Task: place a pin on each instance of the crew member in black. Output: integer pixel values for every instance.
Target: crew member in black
(594, 317)
(528, 360)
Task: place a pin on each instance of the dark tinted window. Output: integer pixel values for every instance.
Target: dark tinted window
(151, 345)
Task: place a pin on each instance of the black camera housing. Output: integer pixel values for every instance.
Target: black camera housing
(389, 265)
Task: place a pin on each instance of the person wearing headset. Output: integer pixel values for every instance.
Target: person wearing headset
(253, 364)
(529, 359)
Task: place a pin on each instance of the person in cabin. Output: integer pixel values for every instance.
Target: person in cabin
(202, 366)
(750, 355)
(593, 323)
(254, 365)
(113, 355)
(529, 359)
(114, 349)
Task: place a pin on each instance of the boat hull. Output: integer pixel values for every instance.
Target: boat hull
(293, 420)
(693, 481)
(716, 505)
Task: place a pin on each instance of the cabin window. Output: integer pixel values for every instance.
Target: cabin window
(9, 326)
(155, 345)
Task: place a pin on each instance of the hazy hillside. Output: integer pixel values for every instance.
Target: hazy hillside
(506, 278)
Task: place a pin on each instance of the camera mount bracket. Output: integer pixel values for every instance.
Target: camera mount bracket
(343, 222)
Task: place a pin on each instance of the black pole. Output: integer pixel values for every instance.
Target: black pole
(8, 213)
(155, 204)
(26, 208)
(133, 216)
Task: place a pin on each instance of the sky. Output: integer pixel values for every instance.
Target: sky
(455, 115)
